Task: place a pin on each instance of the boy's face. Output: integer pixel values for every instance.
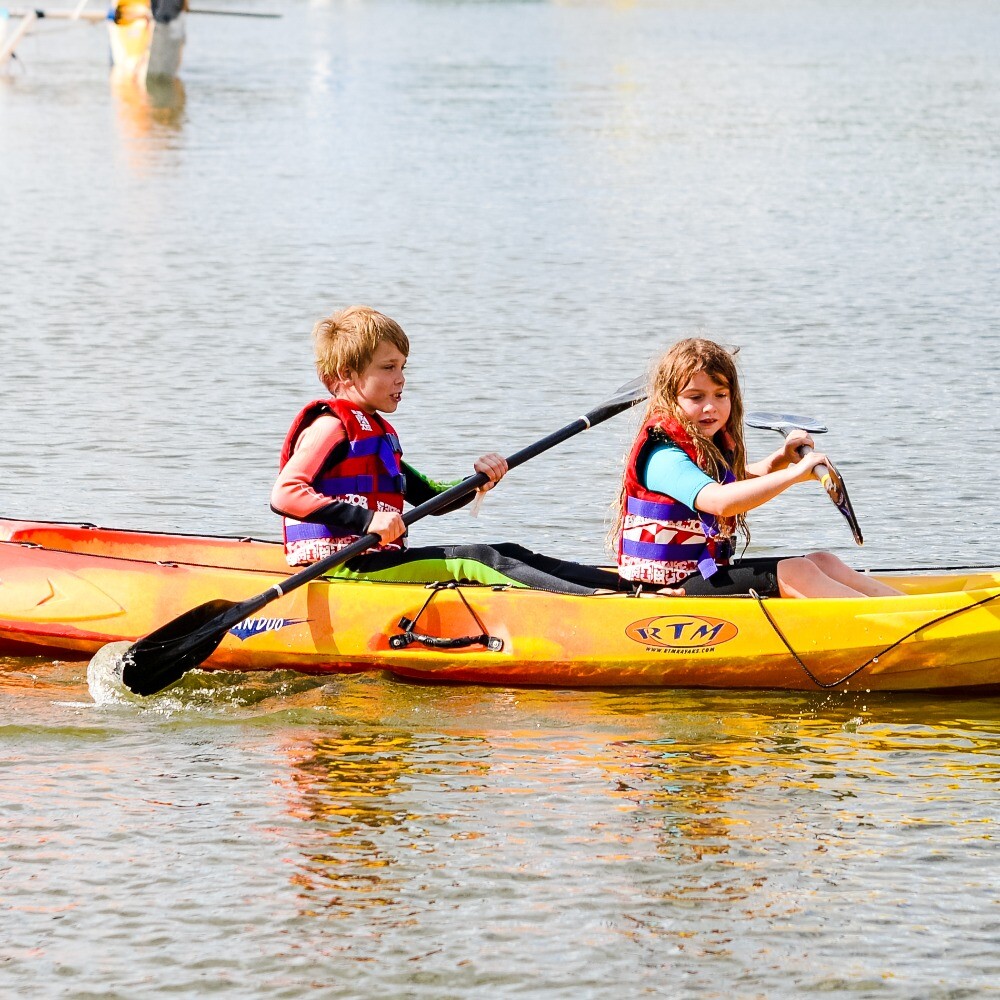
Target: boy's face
(378, 388)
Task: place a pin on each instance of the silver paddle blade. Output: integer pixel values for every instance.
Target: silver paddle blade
(783, 422)
(633, 389)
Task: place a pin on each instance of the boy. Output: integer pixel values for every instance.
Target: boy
(342, 474)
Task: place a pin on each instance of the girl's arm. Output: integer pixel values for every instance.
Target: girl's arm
(728, 499)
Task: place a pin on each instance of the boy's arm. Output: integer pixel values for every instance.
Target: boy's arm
(293, 494)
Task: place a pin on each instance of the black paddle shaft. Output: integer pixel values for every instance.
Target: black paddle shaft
(456, 492)
(164, 656)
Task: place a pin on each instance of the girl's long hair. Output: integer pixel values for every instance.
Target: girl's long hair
(671, 374)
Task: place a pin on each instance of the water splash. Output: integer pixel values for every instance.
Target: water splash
(214, 691)
(104, 676)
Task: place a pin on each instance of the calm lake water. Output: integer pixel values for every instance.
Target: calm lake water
(545, 195)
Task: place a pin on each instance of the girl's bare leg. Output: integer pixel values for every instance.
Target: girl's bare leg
(838, 570)
(801, 577)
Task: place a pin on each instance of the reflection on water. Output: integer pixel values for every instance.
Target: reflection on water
(367, 795)
(641, 821)
(357, 793)
(518, 839)
(150, 115)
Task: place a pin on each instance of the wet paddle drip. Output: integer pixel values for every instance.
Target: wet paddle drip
(104, 676)
(874, 659)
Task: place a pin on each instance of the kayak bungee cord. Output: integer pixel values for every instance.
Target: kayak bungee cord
(173, 563)
(408, 625)
(874, 659)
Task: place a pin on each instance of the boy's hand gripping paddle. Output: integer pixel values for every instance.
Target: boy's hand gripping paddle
(831, 479)
(164, 656)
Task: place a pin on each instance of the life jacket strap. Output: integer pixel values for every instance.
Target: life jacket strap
(386, 446)
(657, 511)
(298, 531)
(708, 564)
(335, 486)
(661, 551)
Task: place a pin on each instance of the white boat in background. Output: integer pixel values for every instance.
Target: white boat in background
(147, 36)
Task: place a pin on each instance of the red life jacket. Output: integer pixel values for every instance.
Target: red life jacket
(369, 476)
(663, 540)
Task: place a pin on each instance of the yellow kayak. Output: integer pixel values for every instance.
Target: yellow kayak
(68, 589)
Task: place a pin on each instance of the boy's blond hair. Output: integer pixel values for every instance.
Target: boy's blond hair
(346, 342)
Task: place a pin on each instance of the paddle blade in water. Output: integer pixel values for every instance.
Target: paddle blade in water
(164, 656)
(104, 676)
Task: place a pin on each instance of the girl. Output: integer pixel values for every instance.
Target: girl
(688, 487)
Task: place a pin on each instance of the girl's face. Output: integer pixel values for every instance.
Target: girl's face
(706, 403)
(379, 388)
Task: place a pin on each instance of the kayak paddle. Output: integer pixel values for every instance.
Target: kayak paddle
(164, 656)
(833, 482)
(230, 13)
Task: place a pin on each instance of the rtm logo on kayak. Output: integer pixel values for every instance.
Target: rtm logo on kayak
(255, 626)
(682, 632)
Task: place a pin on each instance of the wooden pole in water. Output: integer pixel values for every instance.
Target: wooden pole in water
(28, 18)
(79, 14)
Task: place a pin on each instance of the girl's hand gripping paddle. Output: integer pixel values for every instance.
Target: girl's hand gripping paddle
(833, 482)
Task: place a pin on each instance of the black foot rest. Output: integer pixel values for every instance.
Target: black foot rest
(409, 634)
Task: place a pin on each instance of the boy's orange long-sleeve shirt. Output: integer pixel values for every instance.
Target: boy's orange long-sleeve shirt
(320, 446)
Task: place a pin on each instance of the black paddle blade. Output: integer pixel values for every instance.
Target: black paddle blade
(166, 655)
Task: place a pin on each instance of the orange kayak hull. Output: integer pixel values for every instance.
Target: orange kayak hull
(68, 589)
